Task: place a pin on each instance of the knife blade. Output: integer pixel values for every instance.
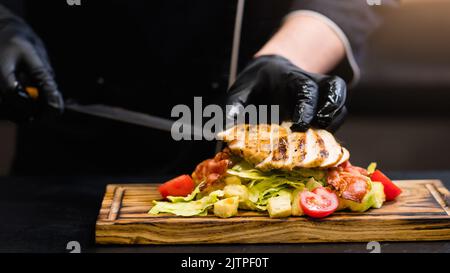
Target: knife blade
(140, 119)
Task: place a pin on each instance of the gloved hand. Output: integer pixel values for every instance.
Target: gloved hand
(24, 61)
(304, 98)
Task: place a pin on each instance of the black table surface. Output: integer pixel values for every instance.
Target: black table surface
(43, 214)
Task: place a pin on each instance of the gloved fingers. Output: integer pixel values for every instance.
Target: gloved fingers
(42, 76)
(16, 104)
(306, 95)
(333, 92)
(338, 120)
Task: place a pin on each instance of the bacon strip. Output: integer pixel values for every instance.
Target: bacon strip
(212, 170)
(349, 185)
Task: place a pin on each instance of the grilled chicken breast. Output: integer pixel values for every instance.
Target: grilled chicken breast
(277, 147)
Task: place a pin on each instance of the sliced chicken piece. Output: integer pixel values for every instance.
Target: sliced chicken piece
(315, 151)
(264, 138)
(251, 142)
(279, 149)
(300, 144)
(257, 143)
(250, 149)
(332, 147)
(297, 150)
(235, 137)
(293, 148)
(344, 158)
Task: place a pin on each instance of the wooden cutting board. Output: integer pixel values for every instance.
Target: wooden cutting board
(421, 213)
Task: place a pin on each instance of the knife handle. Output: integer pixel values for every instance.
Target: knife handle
(33, 92)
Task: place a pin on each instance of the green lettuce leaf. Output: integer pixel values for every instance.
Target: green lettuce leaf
(312, 184)
(192, 208)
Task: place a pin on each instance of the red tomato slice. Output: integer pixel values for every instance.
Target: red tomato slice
(390, 189)
(319, 203)
(179, 186)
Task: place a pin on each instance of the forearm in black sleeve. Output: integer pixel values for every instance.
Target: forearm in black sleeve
(352, 20)
(356, 18)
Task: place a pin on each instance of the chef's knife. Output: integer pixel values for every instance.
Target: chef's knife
(132, 117)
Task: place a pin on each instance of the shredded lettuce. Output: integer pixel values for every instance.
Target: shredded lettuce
(187, 208)
(246, 171)
(264, 185)
(261, 191)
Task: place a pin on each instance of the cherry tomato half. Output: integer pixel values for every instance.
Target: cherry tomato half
(319, 203)
(182, 185)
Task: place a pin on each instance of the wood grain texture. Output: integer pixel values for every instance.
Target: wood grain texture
(420, 213)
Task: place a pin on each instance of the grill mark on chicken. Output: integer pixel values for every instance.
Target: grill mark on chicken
(251, 130)
(333, 148)
(316, 155)
(250, 142)
(263, 138)
(323, 152)
(278, 154)
(301, 147)
(281, 152)
(264, 143)
(296, 150)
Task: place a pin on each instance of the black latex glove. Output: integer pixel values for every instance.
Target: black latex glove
(24, 61)
(304, 98)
